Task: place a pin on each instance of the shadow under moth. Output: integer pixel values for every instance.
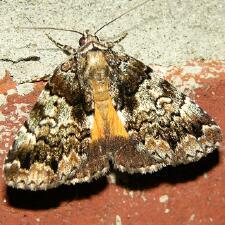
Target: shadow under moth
(103, 108)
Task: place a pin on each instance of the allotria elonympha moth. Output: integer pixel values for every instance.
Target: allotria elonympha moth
(101, 106)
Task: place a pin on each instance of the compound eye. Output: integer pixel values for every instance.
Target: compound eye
(82, 41)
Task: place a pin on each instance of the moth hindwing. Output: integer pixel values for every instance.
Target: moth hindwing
(102, 106)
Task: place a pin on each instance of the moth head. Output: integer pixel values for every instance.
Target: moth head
(87, 38)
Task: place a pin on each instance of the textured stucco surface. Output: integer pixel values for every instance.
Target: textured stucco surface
(160, 32)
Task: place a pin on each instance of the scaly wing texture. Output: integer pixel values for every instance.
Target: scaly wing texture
(144, 125)
(53, 147)
(165, 127)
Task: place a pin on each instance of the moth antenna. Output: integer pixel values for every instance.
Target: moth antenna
(44, 28)
(111, 21)
(51, 28)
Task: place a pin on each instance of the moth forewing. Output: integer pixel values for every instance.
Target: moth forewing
(103, 106)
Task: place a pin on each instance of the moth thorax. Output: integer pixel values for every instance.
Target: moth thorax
(97, 67)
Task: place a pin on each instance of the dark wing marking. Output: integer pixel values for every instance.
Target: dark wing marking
(53, 147)
(165, 127)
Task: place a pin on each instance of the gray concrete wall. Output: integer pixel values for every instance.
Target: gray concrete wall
(161, 32)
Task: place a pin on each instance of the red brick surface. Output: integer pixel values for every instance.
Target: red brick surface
(190, 194)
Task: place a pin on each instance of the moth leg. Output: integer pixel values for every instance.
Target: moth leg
(66, 48)
(44, 79)
(115, 40)
(120, 37)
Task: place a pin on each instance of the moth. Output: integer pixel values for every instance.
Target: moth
(103, 108)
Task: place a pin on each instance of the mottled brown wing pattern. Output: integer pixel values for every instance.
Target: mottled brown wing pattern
(165, 127)
(102, 106)
(53, 147)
